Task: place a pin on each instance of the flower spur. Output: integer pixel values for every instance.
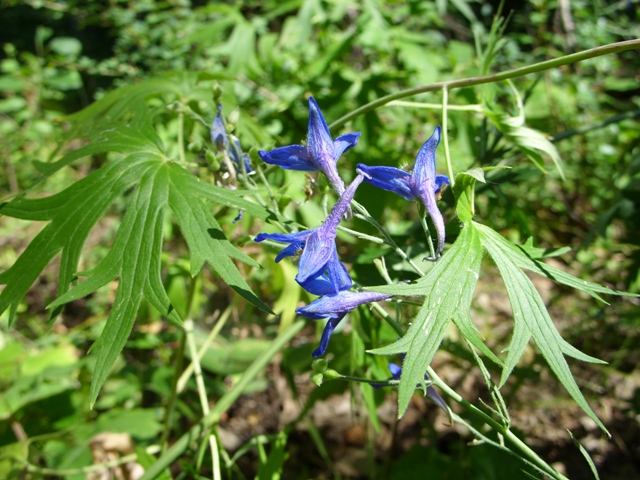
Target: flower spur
(422, 184)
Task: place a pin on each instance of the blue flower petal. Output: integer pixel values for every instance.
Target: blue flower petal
(395, 370)
(319, 141)
(326, 335)
(320, 285)
(338, 305)
(285, 237)
(389, 178)
(317, 252)
(291, 157)
(441, 182)
(345, 142)
(290, 251)
(320, 246)
(340, 278)
(424, 171)
(218, 131)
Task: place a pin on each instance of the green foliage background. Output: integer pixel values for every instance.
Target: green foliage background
(573, 146)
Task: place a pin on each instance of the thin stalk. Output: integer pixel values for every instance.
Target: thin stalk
(184, 378)
(181, 154)
(423, 221)
(498, 427)
(435, 106)
(164, 440)
(495, 77)
(445, 134)
(225, 402)
(364, 215)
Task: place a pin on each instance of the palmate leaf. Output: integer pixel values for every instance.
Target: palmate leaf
(448, 290)
(134, 258)
(532, 320)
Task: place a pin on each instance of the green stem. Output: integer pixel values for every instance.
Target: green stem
(445, 134)
(498, 427)
(183, 160)
(364, 215)
(423, 221)
(495, 77)
(223, 404)
(435, 106)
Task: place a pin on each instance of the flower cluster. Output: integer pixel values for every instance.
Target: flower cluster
(232, 147)
(320, 271)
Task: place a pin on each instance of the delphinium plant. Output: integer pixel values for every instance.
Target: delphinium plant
(144, 133)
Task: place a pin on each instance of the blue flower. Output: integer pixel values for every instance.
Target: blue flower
(335, 307)
(396, 372)
(321, 152)
(422, 184)
(318, 248)
(221, 141)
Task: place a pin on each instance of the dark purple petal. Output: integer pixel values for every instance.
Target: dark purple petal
(235, 152)
(292, 157)
(389, 178)
(345, 142)
(218, 131)
(326, 335)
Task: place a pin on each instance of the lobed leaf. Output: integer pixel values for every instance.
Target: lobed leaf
(448, 289)
(532, 320)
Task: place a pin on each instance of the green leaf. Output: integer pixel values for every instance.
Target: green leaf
(519, 255)
(532, 142)
(206, 240)
(71, 214)
(537, 253)
(533, 321)
(586, 456)
(231, 198)
(464, 190)
(448, 289)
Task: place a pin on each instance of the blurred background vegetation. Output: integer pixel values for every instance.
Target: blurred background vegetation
(266, 57)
